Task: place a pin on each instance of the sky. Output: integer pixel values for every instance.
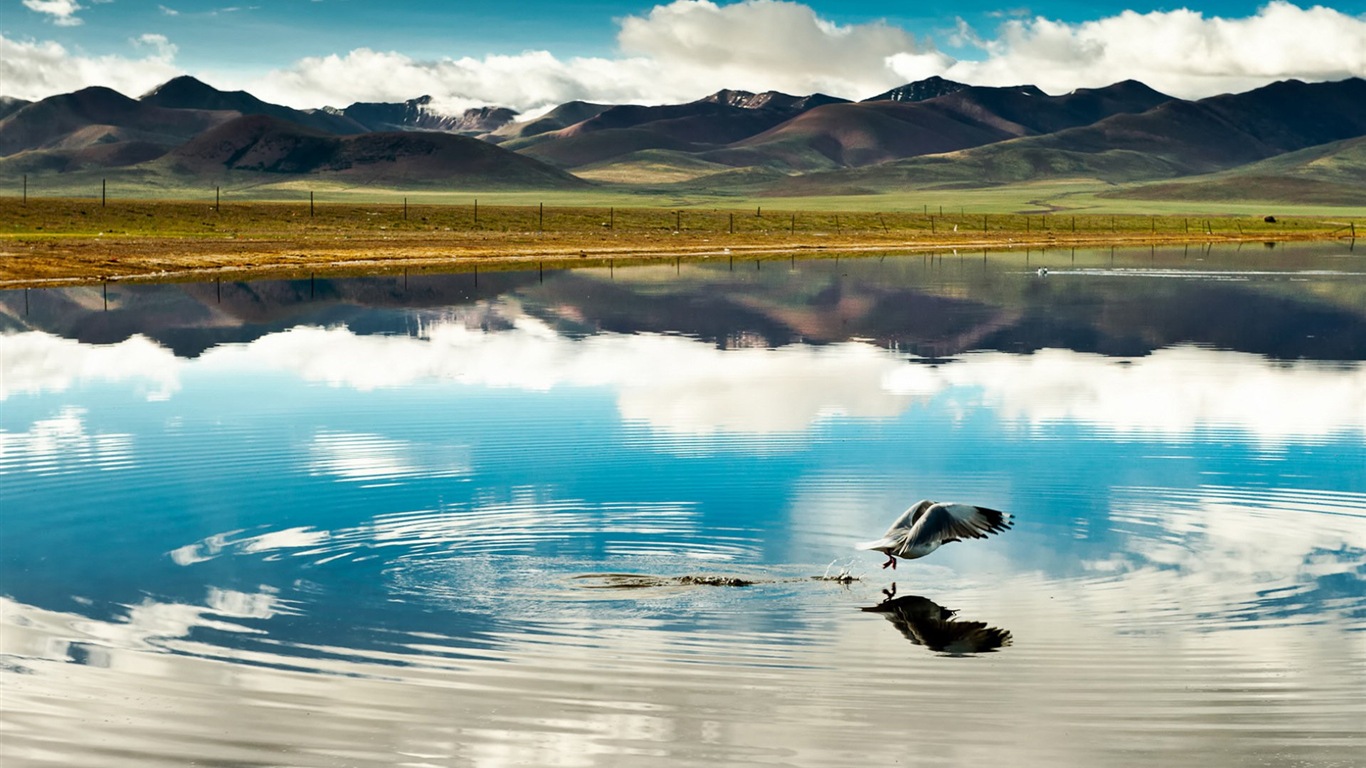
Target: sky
(533, 54)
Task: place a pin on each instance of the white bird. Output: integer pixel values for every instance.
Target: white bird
(927, 525)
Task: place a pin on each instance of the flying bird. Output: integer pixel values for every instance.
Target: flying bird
(928, 525)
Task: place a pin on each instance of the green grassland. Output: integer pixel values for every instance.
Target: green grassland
(749, 189)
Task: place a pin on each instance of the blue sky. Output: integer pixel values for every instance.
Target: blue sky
(530, 54)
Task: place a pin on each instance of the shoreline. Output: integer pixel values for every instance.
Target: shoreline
(104, 260)
(61, 243)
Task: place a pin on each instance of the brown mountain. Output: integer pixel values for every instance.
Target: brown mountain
(872, 132)
(1174, 139)
(417, 114)
(186, 92)
(714, 121)
(263, 144)
(9, 105)
(99, 116)
(921, 90)
(563, 116)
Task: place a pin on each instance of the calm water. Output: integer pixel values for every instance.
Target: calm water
(448, 520)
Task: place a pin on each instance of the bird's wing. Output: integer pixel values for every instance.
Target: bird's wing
(945, 522)
(900, 528)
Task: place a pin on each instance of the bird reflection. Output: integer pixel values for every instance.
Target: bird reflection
(925, 622)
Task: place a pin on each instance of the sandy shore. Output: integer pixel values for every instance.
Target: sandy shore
(76, 259)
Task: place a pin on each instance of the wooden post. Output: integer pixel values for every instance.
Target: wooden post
(405, 217)
(310, 204)
(758, 211)
(1154, 223)
(540, 221)
(732, 223)
(217, 198)
(1074, 223)
(837, 224)
(104, 189)
(476, 211)
(984, 223)
(1026, 227)
(25, 198)
(612, 217)
(884, 224)
(931, 225)
(678, 221)
(793, 227)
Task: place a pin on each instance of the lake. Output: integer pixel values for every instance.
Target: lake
(605, 516)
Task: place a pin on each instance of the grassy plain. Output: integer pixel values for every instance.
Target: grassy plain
(56, 240)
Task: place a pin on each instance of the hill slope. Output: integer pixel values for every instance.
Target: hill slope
(1176, 138)
(262, 144)
(873, 132)
(186, 92)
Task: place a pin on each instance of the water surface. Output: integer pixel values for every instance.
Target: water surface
(592, 517)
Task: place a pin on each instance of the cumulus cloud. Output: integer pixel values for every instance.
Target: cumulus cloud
(687, 49)
(676, 52)
(1180, 52)
(35, 70)
(62, 12)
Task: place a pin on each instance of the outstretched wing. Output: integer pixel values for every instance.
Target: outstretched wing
(900, 529)
(954, 522)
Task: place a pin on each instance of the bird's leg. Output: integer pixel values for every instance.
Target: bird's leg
(890, 593)
(890, 561)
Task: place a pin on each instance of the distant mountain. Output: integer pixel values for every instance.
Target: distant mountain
(417, 114)
(927, 133)
(9, 104)
(562, 116)
(878, 131)
(263, 144)
(722, 118)
(1174, 139)
(921, 90)
(97, 115)
(1327, 174)
(186, 92)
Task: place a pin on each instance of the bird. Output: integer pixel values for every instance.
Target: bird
(1043, 272)
(928, 525)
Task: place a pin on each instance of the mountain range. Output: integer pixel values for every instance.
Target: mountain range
(1301, 141)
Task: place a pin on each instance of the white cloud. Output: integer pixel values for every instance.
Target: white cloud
(1180, 52)
(63, 12)
(689, 48)
(35, 70)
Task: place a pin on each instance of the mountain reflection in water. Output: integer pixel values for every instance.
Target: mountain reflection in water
(574, 518)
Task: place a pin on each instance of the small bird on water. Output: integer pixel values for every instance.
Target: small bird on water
(928, 525)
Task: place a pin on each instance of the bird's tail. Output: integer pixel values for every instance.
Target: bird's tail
(879, 544)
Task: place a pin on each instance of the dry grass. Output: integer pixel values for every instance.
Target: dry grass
(52, 241)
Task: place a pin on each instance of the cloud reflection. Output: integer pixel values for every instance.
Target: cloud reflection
(686, 387)
(37, 362)
(62, 445)
(376, 460)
